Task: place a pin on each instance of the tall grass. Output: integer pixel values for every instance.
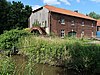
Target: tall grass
(72, 53)
(10, 67)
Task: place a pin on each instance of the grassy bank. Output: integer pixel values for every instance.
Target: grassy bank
(10, 66)
(73, 53)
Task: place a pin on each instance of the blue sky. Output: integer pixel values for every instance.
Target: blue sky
(83, 6)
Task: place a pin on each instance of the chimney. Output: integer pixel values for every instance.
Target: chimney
(76, 11)
(87, 15)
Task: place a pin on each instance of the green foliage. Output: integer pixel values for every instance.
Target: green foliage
(94, 15)
(36, 23)
(10, 38)
(6, 66)
(10, 67)
(73, 53)
(84, 58)
(13, 15)
(29, 68)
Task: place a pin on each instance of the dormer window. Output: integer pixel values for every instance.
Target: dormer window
(62, 21)
(73, 22)
(83, 23)
(93, 23)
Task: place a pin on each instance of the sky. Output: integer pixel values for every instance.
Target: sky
(83, 6)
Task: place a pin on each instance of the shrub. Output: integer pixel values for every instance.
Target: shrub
(73, 53)
(10, 38)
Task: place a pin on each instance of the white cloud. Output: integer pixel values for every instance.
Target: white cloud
(78, 1)
(96, 0)
(35, 7)
(51, 2)
(66, 2)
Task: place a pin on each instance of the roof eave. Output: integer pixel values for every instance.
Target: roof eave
(73, 16)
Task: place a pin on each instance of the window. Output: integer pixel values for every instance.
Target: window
(82, 34)
(98, 28)
(72, 34)
(43, 23)
(62, 33)
(73, 22)
(82, 23)
(62, 21)
(93, 23)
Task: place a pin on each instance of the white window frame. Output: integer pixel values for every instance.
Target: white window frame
(93, 23)
(62, 21)
(82, 34)
(62, 33)
(72, 22)
(83, 23)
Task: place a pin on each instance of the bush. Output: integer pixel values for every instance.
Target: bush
(73, 53)
(10, 38)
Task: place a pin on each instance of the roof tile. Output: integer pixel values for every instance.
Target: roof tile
(67, 12)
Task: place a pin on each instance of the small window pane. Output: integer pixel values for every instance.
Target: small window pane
(72, 22)
(62, 33)
(62, 21)
(82, 23)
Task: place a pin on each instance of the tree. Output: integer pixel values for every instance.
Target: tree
(18, 15)
(13, 15)
(3, 14)
(94, 15)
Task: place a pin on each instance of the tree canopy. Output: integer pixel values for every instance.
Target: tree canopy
(13, 15)
(94, 15)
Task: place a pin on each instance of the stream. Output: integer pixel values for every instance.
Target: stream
(40, 69)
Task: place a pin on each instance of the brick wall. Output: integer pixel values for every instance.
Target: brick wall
(56, 26)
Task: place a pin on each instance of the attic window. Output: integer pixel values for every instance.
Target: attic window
(73, 22)
(62, 21)
(93, 23)
(82, 23)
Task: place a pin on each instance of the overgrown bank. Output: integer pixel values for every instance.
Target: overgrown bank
(75, 54)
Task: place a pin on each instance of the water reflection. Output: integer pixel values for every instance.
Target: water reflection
(39, 69)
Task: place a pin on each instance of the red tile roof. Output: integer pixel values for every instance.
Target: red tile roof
(67, 12)
(98, 22)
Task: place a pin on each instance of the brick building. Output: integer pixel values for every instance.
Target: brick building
(63, 22)
(98, 29)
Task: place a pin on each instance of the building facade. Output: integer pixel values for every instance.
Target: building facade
(63, 22)
(98, 29)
